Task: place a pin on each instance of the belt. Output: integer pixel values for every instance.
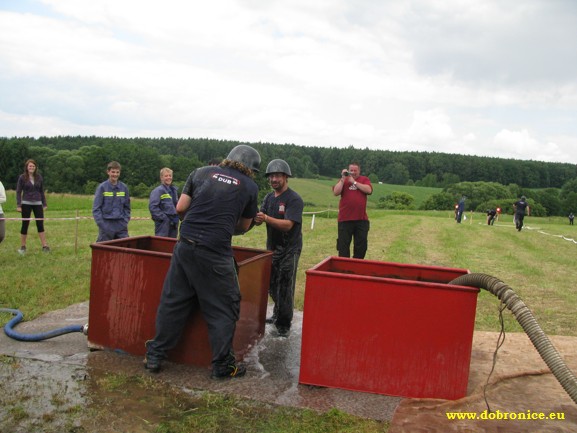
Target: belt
(187, 241)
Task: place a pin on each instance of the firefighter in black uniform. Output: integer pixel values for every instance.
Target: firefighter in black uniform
(282, 211)
(216, 203)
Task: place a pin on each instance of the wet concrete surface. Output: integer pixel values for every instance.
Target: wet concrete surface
(272, 367)
(59, 372)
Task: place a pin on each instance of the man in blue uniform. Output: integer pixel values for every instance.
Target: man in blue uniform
(460, 209)
(521, 206)
(162, 206)
(282, 211)
(216, 203)
(111, 207)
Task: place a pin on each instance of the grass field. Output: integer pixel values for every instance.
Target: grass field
(317, 194)
(537, 263)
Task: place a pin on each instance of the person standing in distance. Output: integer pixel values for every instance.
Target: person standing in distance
(216, 203)
(521, 206)
(353, 221)
(282, 211)
(111, 206)
(30, 198)
(460, 209)
(162, 206)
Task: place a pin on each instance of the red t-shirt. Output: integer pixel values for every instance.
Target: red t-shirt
(353, 203)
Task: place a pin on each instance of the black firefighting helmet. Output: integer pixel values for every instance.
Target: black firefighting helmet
(246, 155)
(278, 166)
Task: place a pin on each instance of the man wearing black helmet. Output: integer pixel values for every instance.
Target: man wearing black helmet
(282, 211)
(521, 206)
(216, 203)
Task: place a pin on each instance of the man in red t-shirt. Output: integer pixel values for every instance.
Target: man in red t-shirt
(353, 221)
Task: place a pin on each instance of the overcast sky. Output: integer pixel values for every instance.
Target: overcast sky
(490, 78)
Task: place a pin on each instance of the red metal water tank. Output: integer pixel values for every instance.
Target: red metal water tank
(387, 328)
(125, 285)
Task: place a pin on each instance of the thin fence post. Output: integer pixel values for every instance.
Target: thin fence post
(76, 236)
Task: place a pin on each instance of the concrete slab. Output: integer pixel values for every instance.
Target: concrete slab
(520, 383)
(272, 376)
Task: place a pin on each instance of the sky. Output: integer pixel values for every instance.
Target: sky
(488, 78)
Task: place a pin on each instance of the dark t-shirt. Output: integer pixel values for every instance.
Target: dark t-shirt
(220, 197)
(520, 207)
(289, 206)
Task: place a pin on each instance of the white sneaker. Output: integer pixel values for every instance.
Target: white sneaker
(22, 250)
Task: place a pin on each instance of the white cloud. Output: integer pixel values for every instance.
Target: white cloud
(447, 76)
(430, 128)
(520, 144)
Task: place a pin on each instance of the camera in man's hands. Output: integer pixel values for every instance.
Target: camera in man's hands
(346, 173)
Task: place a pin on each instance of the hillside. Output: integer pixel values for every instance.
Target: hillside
(317, 194)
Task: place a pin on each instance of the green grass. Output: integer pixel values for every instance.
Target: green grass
(170, 410)
(537, 264)
(318, 193)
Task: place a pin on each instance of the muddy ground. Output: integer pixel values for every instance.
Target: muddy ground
(58, 385)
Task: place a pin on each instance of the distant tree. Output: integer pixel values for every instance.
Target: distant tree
(90, 187)
(13, 154)
(396, 174)
(180, 165)
(514, 190)
(567, 188)
(449, 179)
(65, 172)
(440, 201)
(570, 203)
(549, 199)
(537, 209)
(140, 191)
(141, 158)
(430, 181)
(568, 196)
(373, 178)
(477, 192)
(41, 155)
(96, 160)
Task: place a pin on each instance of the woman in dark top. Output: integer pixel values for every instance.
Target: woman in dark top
(30, 198)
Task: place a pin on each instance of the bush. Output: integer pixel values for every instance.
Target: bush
(397, 201)
(141, 191)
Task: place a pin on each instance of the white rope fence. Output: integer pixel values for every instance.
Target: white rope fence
(77, 218)
(64, 219)
(328, 211)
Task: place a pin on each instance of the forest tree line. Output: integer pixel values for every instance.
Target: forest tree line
(76, 164)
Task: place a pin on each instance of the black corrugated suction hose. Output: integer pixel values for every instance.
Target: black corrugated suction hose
(526, 319)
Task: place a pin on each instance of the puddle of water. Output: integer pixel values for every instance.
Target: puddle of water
(59, 386)
(40, 396)
(52, 397)
(136, 404)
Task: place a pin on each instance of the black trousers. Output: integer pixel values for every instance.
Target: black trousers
(519, 217)
(198, 274)
(357, 231)
(27, 210)
(282, 287)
